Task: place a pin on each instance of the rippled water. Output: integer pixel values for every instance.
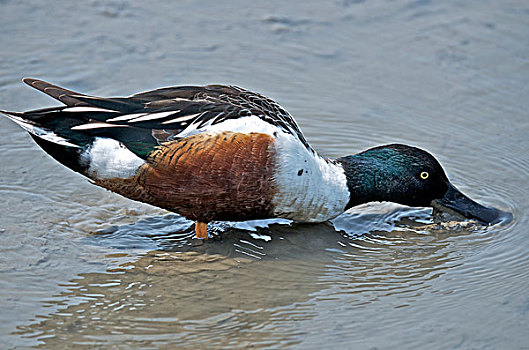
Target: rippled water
(80, 266)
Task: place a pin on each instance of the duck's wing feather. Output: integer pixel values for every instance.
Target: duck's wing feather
(59, 93)
(165, 113)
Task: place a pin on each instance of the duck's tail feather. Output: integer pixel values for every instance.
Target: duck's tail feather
(93, 152)
(77, 135)
(38, 130)
(66, 151)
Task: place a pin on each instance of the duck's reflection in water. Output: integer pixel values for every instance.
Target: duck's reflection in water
(240, 290)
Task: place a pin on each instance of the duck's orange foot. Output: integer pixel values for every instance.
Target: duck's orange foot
(201, 230)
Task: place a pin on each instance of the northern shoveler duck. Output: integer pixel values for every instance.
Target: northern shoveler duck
(225, 153)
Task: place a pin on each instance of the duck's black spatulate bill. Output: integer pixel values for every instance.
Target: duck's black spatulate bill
(457, 201)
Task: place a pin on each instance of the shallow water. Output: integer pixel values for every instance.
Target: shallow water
(83, 267)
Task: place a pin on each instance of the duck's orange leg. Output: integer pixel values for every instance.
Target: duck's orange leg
(201, 230)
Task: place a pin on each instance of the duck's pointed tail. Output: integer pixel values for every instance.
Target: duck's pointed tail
(35, 129)
(66, 151)
(49, 124)
(78, 136)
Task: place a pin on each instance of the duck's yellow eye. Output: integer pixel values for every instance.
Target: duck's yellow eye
(424, 175)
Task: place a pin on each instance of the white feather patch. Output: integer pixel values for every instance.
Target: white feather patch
(97, 126)
(310, 188)
(243, 125)
(125, 117)
(182, 119)
(107, 158)
(87, 109)
(152, 116)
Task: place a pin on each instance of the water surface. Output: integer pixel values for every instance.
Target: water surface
(83, 267)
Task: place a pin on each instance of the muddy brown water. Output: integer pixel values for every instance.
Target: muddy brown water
(82, 267)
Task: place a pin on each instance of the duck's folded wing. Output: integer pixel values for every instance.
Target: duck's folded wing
(145, 120)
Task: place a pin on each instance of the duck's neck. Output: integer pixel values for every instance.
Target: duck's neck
(369, 178)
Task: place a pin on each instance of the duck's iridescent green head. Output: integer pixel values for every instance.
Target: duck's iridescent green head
(410, 176)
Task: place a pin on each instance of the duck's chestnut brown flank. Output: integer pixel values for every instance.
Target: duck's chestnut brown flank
(204, 177)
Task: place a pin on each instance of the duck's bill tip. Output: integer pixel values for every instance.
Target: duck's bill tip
(455, 200)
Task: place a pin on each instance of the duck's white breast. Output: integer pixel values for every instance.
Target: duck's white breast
(310, 188)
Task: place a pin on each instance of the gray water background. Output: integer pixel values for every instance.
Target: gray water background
(82, 267)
